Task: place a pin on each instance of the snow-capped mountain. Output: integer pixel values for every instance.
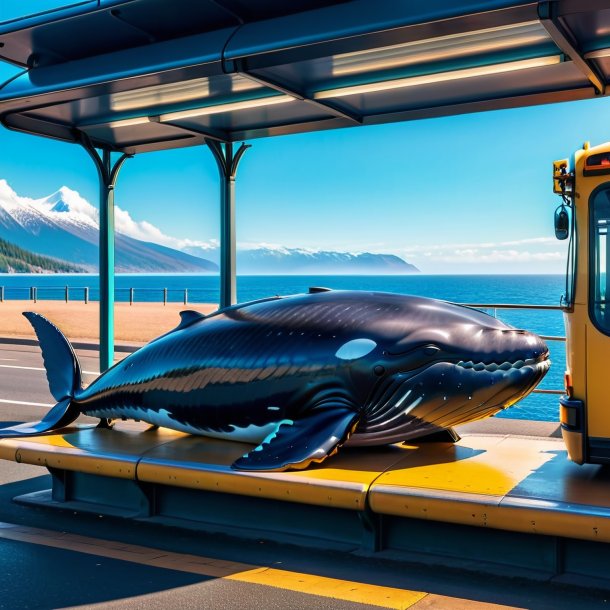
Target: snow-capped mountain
(66, 226)
(285, 261)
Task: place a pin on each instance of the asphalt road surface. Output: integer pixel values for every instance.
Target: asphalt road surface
(62, 559)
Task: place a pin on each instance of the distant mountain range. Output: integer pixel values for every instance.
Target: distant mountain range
(286, 261)
(65, 226)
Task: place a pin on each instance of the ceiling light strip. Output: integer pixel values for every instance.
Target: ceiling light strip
(439, 77)
(229, 107)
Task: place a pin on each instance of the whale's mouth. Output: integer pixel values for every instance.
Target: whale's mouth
(541, 363)
(446, 394)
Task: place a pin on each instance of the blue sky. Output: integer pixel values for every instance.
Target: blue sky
(465, 194)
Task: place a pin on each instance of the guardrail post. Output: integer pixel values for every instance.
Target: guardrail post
(186, 295)
(35, 294)
(86, 295)
(131, 294)
(67, 293)
(165, 296)
(1, 294)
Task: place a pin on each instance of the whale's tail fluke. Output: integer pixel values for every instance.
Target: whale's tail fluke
(63, 375)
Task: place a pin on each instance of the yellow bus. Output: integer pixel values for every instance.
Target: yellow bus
(583, 218)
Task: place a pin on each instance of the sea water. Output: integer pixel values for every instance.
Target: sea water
(474, 289)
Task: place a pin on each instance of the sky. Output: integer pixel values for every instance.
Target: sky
(463, 194)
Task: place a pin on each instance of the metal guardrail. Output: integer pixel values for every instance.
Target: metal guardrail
(122, 295)
(495, 306)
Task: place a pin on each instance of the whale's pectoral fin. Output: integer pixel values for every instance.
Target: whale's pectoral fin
(296, 444)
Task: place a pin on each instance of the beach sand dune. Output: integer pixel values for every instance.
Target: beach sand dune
(138, 323)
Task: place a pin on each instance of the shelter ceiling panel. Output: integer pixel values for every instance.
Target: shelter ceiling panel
(61, 41)
(290, 111)
(488, 47)
(127, 135)
(177, 141)
(164, 63)
(446, 92)
(256, 10)
(414, 57)
(361, 25)
(290, 128)
(88, 29)
(601, 59)
(174, 97)
(590, 28)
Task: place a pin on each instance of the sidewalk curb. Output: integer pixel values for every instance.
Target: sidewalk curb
(76, 344)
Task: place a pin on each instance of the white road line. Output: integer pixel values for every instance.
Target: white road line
(38, 368)
(25, 368)
(27, 404)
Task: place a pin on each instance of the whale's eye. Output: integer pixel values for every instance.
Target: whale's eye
(356, 348)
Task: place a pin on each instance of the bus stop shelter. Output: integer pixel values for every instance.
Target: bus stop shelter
(124, 77)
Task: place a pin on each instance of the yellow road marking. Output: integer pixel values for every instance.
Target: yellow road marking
(375, 595)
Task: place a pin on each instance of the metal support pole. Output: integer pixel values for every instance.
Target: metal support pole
(108, 174)
(227, 163)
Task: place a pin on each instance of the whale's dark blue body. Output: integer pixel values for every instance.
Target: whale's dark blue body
(302, 375)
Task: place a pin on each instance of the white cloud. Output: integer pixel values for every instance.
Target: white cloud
(540, 241)
(499, 256)
(527, 255)
(124, 223)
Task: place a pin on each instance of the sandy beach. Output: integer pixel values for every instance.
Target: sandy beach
(138, 323)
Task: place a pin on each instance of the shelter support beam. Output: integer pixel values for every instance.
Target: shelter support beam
(108, 174)
(563, 38)
(227, 163)
(282, 88)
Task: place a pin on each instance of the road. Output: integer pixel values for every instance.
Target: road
(61, 559)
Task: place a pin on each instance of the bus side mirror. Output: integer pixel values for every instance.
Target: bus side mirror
(562, 223)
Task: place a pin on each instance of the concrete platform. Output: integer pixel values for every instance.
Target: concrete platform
(492, 502)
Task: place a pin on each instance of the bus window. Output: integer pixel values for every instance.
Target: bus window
(599, 279)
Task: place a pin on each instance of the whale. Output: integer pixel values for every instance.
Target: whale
(301, 376)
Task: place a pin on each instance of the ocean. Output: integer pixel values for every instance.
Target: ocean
(492, 289)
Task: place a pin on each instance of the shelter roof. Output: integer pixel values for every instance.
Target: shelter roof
(139, 75)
